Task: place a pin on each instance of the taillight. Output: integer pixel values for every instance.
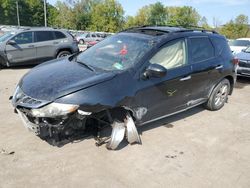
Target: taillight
(235, 61)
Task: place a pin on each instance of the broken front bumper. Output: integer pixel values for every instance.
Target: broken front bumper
(29, 125)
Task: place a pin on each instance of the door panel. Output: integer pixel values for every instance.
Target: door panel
(161, 96)
(205, 68)
(23, 51)
(169, 94)
(45, 45)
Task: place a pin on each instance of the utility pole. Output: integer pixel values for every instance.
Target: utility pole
(17, 13)
(45, 13)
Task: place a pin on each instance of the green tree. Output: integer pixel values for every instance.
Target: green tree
(142, 16)
(185, 16)
(107, 16)
(129, 22)
(31, 12)
(236, 28)
(203, 23)
(64, 18)
(52, 14)
(157, 14)
(8, 12)
(82, 13)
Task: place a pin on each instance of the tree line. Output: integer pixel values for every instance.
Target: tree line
(109, 16)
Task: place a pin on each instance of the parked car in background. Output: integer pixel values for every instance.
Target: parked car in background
(91, 43)
(244, 62)
(239, 44)
(133, 78)
(88, 37)
(35, 45)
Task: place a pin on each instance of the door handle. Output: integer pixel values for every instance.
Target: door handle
(55, 42)
(185, 78)
(219, 67)
(31, 46)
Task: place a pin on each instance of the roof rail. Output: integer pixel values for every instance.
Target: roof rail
(180, 29)
(197, 30)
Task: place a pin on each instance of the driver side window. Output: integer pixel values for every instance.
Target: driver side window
(171, 56)
(23, 38)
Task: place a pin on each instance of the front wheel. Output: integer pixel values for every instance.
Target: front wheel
(1, 63)
(219, 96)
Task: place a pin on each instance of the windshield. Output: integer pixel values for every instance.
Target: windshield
(118, 52)
(239, 43)
(5, 36)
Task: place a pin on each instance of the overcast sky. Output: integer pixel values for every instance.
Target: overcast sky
(222, 10)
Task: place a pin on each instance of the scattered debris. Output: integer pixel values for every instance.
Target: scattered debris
(169, 125)
(118, 133)
(131, 131)
(4, 152)
(171, 156)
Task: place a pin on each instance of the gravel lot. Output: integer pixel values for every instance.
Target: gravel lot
(197, 148)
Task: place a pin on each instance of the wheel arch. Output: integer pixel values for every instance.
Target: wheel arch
(231, 81)
(63, 49)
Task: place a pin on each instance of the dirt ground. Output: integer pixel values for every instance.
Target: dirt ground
(197, 148)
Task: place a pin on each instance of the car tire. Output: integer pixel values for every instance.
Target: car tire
(2, 63)
(81, 41)
(63, 54)
(219, 96)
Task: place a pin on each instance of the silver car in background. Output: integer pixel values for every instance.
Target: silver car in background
(89, 37)
(35, 45)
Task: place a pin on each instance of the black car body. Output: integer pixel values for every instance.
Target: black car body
(146, 73)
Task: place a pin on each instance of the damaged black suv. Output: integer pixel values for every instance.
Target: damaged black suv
(135, 77)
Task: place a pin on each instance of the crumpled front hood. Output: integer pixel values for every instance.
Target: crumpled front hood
(57, 78)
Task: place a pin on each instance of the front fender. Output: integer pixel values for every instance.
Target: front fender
(117, 92)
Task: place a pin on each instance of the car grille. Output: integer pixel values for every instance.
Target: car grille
(244, 63)
(21, 99)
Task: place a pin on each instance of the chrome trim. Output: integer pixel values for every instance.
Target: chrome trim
(117, 135)
(219, 67)
(29, 125)
(185, 78)
(131, 131)
(161, 117)
(21, 99)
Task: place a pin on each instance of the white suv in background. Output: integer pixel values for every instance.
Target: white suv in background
(239, 44)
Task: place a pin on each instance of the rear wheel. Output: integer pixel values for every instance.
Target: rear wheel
(2, 63)
(63, 54)
(219, 96)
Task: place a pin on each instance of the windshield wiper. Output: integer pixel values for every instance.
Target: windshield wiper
(86, 65)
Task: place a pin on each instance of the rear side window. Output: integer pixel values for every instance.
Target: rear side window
(59, 35)
(222, 46)
(41, 36)
(201, 49)
(23, 38)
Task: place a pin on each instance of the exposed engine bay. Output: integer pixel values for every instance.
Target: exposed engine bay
(74, 126)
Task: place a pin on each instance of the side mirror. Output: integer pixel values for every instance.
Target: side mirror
(11, 42)
(155, 70)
